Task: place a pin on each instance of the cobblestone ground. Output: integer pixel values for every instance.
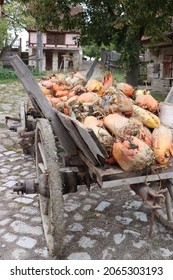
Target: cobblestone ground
(20, 223)
(100, 224)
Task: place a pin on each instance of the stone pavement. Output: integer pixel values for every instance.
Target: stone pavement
(21, 234)
(100, 224)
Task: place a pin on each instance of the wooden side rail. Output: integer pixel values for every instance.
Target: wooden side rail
(41, 104)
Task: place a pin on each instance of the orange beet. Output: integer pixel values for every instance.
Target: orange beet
(127, 89)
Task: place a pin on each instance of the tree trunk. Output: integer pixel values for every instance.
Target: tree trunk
(5, 49)
(132, 74)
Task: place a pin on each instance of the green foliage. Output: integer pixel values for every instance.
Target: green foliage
(3, 31)
(36, 72)
(119, 75)
(118, 22)
(17, 15)
(7, 74)
(123, 22)
(91, 51)
(48, 13)
(15, 18)
(159, 96)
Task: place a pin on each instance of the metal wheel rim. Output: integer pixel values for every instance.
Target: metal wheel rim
(51, 208)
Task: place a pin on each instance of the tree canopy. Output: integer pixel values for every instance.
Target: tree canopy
(120, 22)
(14, 17)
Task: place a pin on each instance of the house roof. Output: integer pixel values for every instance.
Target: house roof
(54, 31)
(147, 42)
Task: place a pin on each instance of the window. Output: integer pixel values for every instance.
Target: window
(55, 39)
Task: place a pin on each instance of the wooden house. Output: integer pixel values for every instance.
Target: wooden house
(60, 50)
(159, 58)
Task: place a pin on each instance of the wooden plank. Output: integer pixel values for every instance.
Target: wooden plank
(42, 105)
(91, 69)
(87, 135)
(136, 180)
(169, 97)
(115, 176)
(91, 141)
(80, 143)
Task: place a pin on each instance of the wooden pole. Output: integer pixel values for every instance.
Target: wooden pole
(40, 101)
(39, 51)
(169, 98)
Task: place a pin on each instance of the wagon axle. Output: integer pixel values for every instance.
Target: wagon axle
(29, 186)
(71, 177)
(32, 186)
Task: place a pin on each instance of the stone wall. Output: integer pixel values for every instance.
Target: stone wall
(159, 67)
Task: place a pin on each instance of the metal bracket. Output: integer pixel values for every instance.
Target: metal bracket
(148, 195)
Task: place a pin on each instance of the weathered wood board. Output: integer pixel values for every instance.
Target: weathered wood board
(85, 139)
(169, 97)
(90, 139)
(41, 103)
(114, 176)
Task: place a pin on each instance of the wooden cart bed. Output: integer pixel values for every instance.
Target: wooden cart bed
(93, 154)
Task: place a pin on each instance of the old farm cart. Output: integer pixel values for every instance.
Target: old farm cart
(81, 163)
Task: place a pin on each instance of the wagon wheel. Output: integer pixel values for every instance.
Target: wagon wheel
(50, 187)
(25, 131)
(22, 114)
(23, 128)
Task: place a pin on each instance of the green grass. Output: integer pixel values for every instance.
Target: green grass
(119, 76)
(8, 76)
(159, 96)
(9, 148)
(8, 81)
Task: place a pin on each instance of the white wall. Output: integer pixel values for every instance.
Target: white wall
(25, 37)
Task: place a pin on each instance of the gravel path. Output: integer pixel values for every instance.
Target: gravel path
(100, 224)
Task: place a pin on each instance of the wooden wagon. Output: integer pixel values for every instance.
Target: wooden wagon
(81, 162)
